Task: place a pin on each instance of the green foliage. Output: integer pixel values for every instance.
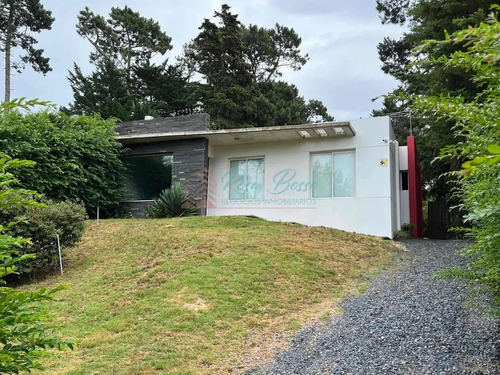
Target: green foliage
(23, 103)
(478, 127)
(26, 323)
(40, 224)
(76, 157)
(269, 50)
(125, 38)
(166, 89)
(239, 66)
(405, 232)
(173, 202)
(104, 92)
(125, 83)
(428, 20)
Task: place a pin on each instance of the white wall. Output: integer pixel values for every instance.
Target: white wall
(370, 211)
(403, 158)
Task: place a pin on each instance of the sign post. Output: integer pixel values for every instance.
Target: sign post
(95, 198)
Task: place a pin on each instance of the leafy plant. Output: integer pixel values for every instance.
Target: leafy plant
(76, 157)
(173, 202)
(26, 323)
(423, 20)
(23, 103)
(40, 224)
(405, 232)
(478, 126)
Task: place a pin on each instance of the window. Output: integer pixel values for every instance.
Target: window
(148, 176)
(333, 174)
(246, 178)
(404, 180)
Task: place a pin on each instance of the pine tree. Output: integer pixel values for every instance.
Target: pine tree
(239, 66)
(428, 20)
(18, 20)
(105, 92)
(125, 84)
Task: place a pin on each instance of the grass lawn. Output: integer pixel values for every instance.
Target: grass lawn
(199, 295)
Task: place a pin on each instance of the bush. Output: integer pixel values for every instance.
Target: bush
(77, 158)
(405, 232)
(27, 328)
(172, 202)
(478, 126)
(40, 224)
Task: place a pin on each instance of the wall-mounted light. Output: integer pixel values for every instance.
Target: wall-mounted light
(321, 132)
(304, 134)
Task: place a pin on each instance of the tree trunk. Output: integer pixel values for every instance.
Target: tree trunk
(8, 43)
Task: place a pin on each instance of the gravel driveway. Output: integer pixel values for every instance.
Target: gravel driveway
(405, 323)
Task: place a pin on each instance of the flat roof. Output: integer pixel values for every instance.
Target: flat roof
(248, 135)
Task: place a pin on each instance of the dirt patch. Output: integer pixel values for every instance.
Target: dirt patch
(198, 305)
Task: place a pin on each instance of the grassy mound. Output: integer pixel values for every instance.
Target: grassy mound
(200, 294)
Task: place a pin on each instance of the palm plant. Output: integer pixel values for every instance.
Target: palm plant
(173, 202)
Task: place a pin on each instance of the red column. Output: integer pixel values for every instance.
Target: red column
(415, 189)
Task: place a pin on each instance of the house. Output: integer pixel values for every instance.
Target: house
(349, 175)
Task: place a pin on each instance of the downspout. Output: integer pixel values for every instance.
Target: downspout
(397, 177)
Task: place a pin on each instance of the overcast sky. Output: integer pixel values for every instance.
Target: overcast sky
(340, 36)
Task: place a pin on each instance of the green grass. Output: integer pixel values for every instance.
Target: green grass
(198, 295)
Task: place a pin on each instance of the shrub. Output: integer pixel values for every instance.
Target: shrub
(405, 232)
(77, 158)
(40, 224)
(27, 328)
(172, 202)
(478, 126)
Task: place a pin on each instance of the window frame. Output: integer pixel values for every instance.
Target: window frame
(246, 159)
(331, 153)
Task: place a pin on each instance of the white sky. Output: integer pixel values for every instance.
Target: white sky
(340, 36)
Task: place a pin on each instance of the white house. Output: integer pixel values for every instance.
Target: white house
(347, 175)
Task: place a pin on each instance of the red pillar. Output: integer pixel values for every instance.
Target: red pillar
(415, 189)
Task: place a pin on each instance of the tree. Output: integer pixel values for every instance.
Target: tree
(123, 48)
(476, 124)
(126, 39)
(18, 19)
(105, 92)
(239, 66)
(166, 89)
(288, 107)
(269, 50)
(428, 20)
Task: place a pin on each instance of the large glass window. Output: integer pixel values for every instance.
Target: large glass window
(246, 178)
(343, 174)
(333, 174)
(322, 175)
(148, 176)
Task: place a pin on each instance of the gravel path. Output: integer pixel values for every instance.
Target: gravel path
(405, 323)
